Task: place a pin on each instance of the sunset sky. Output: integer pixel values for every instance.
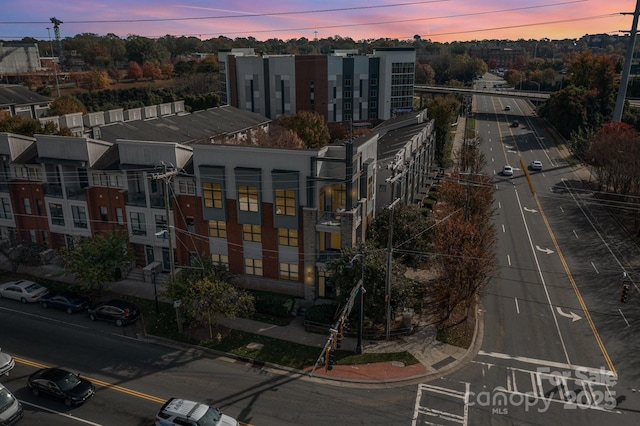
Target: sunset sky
(437, 20)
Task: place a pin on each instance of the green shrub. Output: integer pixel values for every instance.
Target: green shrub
(322, 314)
(275, 304)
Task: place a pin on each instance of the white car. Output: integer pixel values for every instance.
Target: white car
(178, 411)
(507, 171)
(6, 363)
(23, 290)
(536, 165)
(10, 408)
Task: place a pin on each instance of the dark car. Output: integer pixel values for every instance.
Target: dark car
(515, 123)
(120, 312)
(61, 384)
(69, 302)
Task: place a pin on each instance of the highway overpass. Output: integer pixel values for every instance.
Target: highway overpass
(503, 92)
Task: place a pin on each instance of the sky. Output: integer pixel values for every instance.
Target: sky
(435, 20)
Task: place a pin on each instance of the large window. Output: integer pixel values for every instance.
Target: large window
(79, 216)
(286, 202)
(57, 215)
(27, 205)
(218, 229)
(187, 187)
(5, 209)
(138, 225)
(212, 194)
(289, 271)
(161, 226)
(119, 216)
(252, 233)
(220, 259)
(253, 266)
(190, 222)
(288, 237)
(104, 214)
(248, 198)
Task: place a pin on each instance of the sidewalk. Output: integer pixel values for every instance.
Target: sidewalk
(435, 357)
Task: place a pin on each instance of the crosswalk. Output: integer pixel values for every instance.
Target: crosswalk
(526, 384)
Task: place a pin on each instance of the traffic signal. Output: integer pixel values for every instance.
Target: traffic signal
(339, 340)
(624, 292)
(331, 354)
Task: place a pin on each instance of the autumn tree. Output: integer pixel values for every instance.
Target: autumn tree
(96, 80)
(97, 260)
(308, 125)
(66, 104)
(134, 71)
(151, 70)
(278, 137)
(424, 74)
(167, 70)
(444, 112)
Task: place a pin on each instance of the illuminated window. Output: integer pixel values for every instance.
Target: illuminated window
(217, 228)
(220, 260)
(286, 202)
(289, 271)
(253, 266)
(212, 194)
(248, 198)
(288, 237)
(252, 233)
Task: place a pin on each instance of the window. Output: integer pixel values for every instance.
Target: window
(252, 233)
(373, 93)
(40, 207)
(32, 236)
(161, 226)
(286, 202)
(27, 205)
(288, 237)
(115, 181)
(347, 94)
(248, 198)
(34, 173)
(373, 82)
(217, 228)
(79, 216)
(138, 225)
(99, 179)
(253, 266)
(370, 188)
(373, 104)
(212, 194)
(190, 222)
(289, 271)
(347, 106)
(5, 210)
(119, 216)
(347, 82)
(220, 260)
(57, 215)
(104, 214)
(187, 187)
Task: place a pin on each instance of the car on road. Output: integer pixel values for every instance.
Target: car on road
(176, 412)
(66, 301)
(536, 165)
(23, 290)
(6, 363)
(61, 384)
(507, 171)
(10, 408)
(515, 123)
(119, 312)
(507, 108)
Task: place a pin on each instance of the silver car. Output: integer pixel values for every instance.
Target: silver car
(22, 290)
(10, 408)
(6, 363)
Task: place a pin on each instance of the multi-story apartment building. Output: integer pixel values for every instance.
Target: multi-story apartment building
(344, 86)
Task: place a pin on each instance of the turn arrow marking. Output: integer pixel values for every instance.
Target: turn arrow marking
(527, 209)
(575, 317)
(545, 250)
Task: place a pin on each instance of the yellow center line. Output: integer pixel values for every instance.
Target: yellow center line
(583, 305)
(99, 382)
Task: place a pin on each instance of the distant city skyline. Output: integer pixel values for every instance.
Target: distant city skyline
(436, 20)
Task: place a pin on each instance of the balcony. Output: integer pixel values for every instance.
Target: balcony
(53, 190)
(76, 193)
(330, 218)
(137, 199)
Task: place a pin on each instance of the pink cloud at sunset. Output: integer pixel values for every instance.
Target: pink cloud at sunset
(437, 20)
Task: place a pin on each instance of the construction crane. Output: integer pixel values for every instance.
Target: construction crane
(56, 31)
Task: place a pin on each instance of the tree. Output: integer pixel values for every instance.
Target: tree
(134, 71)
(444, 111)
(27, 253)
(278, 137)
(151, 70)
(207, 294)
(66, 104)
(29, 126)
(98, 260)
(96, 80)
(309, 126)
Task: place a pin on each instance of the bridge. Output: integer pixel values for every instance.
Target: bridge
(492, 91)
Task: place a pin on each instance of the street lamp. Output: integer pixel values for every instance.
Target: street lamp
(362, 292)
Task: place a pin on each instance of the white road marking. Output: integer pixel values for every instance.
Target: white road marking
(574, 233)
(509, 259)
(78, 419)
(623, 317)
(503, 228)
(517, 307)
(594, 267)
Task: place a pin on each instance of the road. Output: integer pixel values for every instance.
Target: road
(556, 349)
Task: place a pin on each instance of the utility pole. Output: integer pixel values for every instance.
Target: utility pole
(56, 31)
(55, 68)
(387, 296)
(626, 70)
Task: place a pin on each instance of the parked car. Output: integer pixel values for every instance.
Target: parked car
(6, 363)
(515, 123)
(176, 412)
(536, 165)
(61, 384)
(10, 408)
(119, 312)
(66, 301)
(23, 290)
(507, 171)
(507, 108)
